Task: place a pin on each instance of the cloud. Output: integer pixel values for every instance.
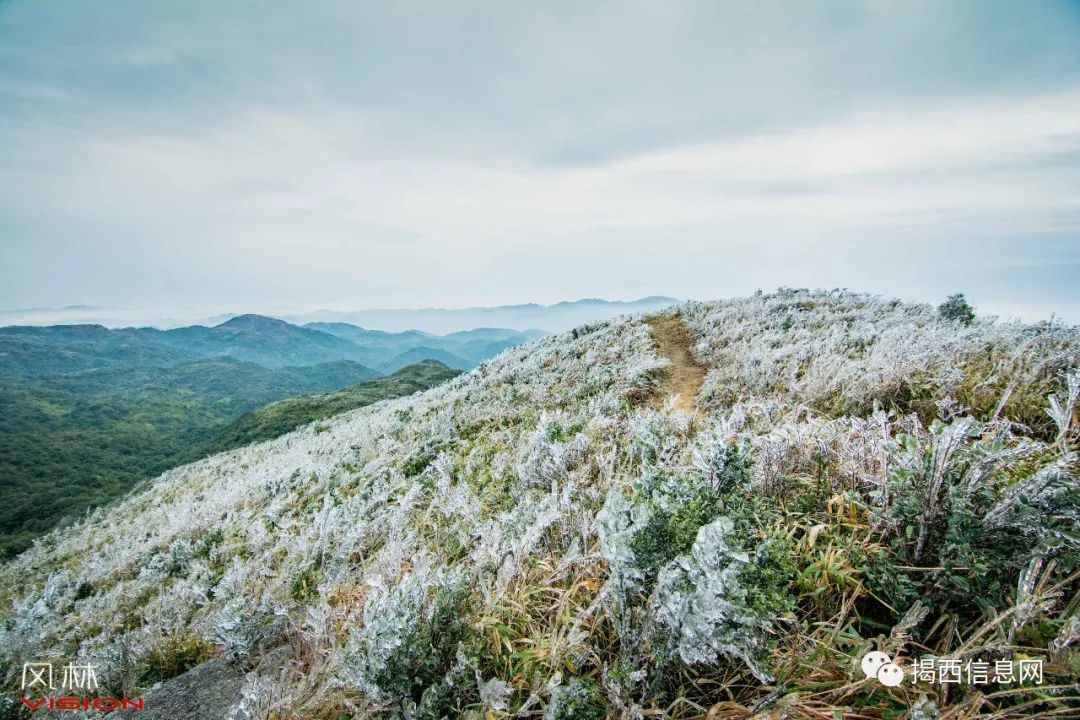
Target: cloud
(975, 161)
(409, 154)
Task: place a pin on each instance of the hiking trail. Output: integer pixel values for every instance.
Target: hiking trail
(685, 374)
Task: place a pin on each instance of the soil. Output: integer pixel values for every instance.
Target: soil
(685, 374)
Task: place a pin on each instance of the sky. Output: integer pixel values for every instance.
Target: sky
(264, 156)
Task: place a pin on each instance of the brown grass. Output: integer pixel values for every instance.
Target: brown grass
(685, 374)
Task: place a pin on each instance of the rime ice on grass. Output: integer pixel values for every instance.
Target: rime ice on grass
(525, 471)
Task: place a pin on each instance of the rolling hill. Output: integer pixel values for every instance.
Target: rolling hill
(267, 341)
(71, 442)
(284, 416)
(88, 411)
(712, 512)
(272, 343)
(72, 348)
(42, 351)
(462, 350)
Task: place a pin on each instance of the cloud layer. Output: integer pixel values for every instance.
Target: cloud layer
(254, 154)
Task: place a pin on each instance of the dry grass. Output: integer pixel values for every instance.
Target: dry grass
(685, 375)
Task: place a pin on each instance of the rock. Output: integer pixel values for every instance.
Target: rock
(206, 692)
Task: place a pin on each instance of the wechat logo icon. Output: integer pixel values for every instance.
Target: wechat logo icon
(879, 665)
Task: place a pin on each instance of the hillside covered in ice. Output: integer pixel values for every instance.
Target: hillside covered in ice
(715, 512)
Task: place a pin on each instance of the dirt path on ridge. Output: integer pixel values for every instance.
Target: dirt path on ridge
(685, 374)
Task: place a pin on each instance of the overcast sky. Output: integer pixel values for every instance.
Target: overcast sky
(267, 155)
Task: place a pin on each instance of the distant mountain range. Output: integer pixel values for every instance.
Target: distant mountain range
(552, 318)
(269, 342)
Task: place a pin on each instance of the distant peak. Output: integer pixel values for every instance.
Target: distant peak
(253, 322)
(651, 300)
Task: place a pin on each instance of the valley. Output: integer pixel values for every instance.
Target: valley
(87, 413)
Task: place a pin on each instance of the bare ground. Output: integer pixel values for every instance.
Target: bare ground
(685, 374)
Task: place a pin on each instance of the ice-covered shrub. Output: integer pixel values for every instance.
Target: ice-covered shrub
(241, 625)
(705, 601)
(259, 697)
(576, 699)
(410, 637)
(971, 496)
(659, 521)
(553, 450)
(713, 589)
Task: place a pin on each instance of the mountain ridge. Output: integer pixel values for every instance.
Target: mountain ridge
(556, 317)
(271, 342)
(117, 317)
(551, 534)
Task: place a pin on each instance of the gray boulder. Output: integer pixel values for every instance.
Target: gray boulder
(206, 692)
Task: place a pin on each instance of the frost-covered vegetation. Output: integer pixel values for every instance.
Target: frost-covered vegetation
(549, 537)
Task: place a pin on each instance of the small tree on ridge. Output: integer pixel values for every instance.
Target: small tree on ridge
(957, 308)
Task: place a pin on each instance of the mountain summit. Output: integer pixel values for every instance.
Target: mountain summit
(721, 508)
(255, 323)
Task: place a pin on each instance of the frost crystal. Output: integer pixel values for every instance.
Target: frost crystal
(618, 523)
(494, 693)
(700, 600)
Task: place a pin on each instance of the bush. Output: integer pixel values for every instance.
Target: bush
(956, 309)
(410, 639)
(576, 700)
(958, 504)
(691, 547)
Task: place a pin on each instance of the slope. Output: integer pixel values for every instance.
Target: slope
(283, 416)
(74, 441)
(544, 536)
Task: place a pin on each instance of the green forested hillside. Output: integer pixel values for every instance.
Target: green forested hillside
(87, 411)
(280, 417)
(39, 355)
(70, 442)
(273, 343)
